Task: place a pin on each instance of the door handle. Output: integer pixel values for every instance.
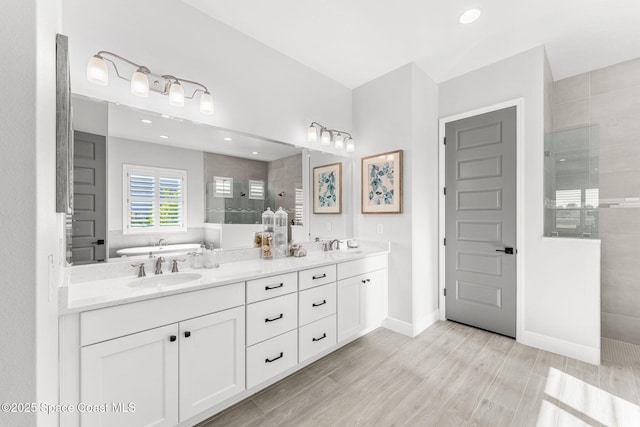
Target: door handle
(98, 242)
(508, 251)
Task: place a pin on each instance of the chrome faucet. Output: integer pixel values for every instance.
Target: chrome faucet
(162, 242)
(140, 267)
(159, 262)
(174, 265)
(337, 242)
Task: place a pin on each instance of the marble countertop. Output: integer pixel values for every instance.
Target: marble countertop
(93, 294)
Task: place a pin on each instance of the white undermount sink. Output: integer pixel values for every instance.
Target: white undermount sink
(164, 280)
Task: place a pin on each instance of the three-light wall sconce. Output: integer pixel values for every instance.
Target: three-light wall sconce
(340, 139)
(165, 84)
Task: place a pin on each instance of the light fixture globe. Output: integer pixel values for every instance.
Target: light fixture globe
(312, 134)
(206, 103)
(325, 137)
(339, 142)
(351, 145)
(176, 95)
(97, 71)
(140, 83)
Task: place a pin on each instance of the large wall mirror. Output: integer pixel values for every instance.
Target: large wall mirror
(141, 178)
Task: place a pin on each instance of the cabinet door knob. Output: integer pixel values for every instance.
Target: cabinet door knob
(363, 281)
(172, 338)
(187, 334)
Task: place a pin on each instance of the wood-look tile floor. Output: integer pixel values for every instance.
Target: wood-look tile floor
(450, 375)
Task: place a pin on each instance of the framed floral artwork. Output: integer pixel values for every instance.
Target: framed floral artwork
(382, 183)
(327, 189)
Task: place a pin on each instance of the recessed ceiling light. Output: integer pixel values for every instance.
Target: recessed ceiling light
(255, 153)
(164, 137)
(469, 16)
(562, 160)
(146, 121)
(165, 116)
(228, 139)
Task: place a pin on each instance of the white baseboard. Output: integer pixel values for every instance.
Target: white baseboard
(425, 322)
(565, 348)
(398, 326)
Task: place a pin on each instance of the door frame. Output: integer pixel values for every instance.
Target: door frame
(520, 225)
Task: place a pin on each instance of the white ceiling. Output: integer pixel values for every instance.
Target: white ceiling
(355, 41)
(126, 122)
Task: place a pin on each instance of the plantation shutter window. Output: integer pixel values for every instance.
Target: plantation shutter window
(155, 199)
(256, 190)
(299, 207)
(223, 187)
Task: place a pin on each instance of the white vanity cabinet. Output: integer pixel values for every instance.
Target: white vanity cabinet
(141, 369)
(178, 359)
(170, 373)
(272, 322)
(361, 287)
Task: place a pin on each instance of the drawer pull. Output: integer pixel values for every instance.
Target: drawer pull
(320, 276)
(273, 319)
(267, 360)
(321, 338)
(172, 338)
(268, 288)
(324, 301)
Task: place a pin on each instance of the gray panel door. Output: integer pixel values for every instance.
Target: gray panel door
(89, 198)
(481, 221)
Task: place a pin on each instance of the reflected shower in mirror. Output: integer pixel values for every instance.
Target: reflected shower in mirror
(166, 180)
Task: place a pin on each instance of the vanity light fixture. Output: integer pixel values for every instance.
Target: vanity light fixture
(340, 138)
(168, 85)
(469, 16)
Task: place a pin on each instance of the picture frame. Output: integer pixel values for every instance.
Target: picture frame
(381, 183)
(327, 189)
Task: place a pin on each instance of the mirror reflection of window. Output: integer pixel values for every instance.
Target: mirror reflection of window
(223, 187)
(256, 190)
(299, 207)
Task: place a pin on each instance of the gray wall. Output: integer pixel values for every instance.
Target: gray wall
(609, 98)
(241, 170)
(284, 175)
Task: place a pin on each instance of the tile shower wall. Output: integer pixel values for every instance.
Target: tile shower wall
(284, 176)
(239, 209)
(610, 98)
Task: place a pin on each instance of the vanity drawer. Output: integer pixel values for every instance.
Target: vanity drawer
(317, 337)
(113, 322)
(266, 319)
(316, 303)
(270, 287)
(272, 357)
(361, 266)
(316, 276)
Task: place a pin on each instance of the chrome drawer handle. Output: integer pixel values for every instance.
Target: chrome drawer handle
(268, 288)
(321, 338)
(273, 319)
(319, 304)
(267, 360)
(321, 276)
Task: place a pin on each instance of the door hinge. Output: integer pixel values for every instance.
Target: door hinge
(444, 190)
(444, 241)
(445, 140)
(445, 292)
